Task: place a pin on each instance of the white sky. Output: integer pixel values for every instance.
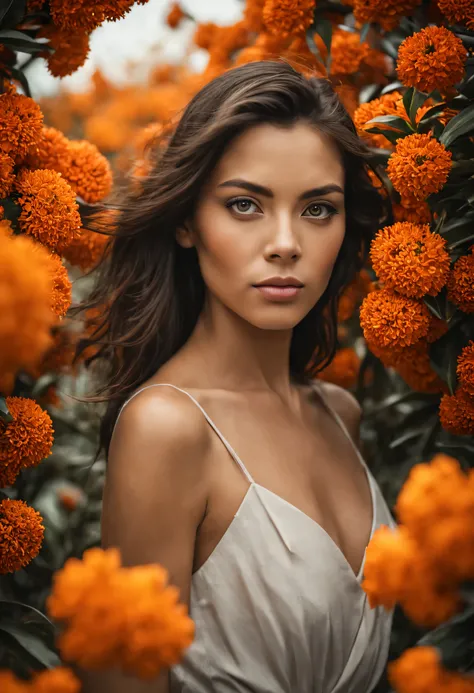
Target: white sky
(141, 36)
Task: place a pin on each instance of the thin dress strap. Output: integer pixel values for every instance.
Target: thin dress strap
(224, 440)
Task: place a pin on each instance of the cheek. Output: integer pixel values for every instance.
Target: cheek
(223, 248)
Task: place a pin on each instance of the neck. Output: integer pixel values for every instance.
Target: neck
(236, 355)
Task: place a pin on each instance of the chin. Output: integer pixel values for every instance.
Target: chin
(277, 320)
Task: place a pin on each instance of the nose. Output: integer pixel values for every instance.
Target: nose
(283, 243)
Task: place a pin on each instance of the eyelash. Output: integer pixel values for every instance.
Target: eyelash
(332, 210)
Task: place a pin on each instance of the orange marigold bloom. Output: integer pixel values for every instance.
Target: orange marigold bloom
(147, 633)
(347, 52)
(253, 15)
(204, 35)
(21, 535)
(343, 369)
(456, 413)
(385, 105)
(27, 440)
(50, 151)
(433, 58)
(465, 369)
(436, 330)
(410, 259)
(86, 15)
(87, 250)
(419, 166)
(21, 121)
(49, 212)
(388, 565)
(414, 366)
(61, 295)
(391, 320)
(387, 13)
(6, 174)
(88, 172)
(288, 17)
(352, 295)
(175, 15)
(458, 11)
(419, 670)
(59, 680)
(25, 305)
(71, 49)
(461, 283)
(413, 211)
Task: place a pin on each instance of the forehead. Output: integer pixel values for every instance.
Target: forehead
(295, 157)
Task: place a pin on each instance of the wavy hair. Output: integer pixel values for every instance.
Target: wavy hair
(149, 291)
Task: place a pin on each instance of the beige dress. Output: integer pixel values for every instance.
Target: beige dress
(277, 607)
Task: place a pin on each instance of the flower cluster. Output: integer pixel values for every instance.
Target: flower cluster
(26, 440)
(59, 680)
(343, 369)
(420, 669)
(118, 617)
(419, 166)
(21, 535)
(422, 563)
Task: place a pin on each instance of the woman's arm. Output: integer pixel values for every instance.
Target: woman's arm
(154, 499)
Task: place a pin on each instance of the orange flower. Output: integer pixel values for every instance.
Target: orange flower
(391, 320)
(347, 52)
(419, 670)
(458, 11)
(59, 357)
(59, 680)
(6, 174)
(70, 498)
(50, 150)
(419, 167)
(175, 15)
(50, 212)
(21, 535)
(352, 294)
(86, 15)
(25, 306)
(456, 413)
(385, 105)
(26, 441)
(461, 283)
(21, 121)
(71, 49)
(433, 58)
(414, 366)
(148, 632)
(410, 259)
(465, 369)
(253, 15)
(387, 13)
(87, 250)
(251, 54)
(88, 172)
(413, 211)
(288, 17)
(343, 369)
(61, 294)
(388, 566)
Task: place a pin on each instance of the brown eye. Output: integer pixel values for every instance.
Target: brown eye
(320, 211)
(242, 206)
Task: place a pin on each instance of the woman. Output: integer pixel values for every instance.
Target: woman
(228, 464)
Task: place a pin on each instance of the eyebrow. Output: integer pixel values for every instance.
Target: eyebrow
(266, 192)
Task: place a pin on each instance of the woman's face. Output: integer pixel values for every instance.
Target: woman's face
(272, 213)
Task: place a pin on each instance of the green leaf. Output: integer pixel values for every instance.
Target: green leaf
(364, 31)
(437, 305)
(311, 43)
(18, 74)
(12, 13)
(444, 355)
(462, 241)
(389, 48)
(19, 41)
(461, 124)
(454, 641)
(392, 135)
(4, 412)
(417, 101)
(395, 122)
(407, 97)
(33, 645)
(323, 28)
(393, 86)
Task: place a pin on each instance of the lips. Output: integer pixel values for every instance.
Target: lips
(281, 282)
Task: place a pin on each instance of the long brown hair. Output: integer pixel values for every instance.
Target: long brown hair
(149, 291)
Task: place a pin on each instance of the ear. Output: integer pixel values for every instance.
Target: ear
(185, 236)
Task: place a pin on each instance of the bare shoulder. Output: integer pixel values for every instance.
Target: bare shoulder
(345, 405)
(162, 419)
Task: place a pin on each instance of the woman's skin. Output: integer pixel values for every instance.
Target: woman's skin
(172, 489)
